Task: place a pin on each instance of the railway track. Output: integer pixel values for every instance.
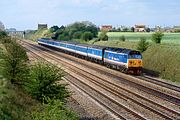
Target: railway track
(124, 93)
(160, 82)
(118, 109)
(115, 89)
(139, 85)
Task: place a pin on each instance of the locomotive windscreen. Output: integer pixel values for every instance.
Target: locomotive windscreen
(135, 55)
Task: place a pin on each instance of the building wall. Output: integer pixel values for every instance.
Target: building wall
(42, 26)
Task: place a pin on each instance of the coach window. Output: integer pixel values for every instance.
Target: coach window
(106, 55)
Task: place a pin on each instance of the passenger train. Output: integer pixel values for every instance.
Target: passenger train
(124, 60)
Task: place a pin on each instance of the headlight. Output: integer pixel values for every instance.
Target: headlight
(140, 62)
(130, 62)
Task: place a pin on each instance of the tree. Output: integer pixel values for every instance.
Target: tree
(157, 37)
(103, 36)
(142, 44)
(148, 30)
(122, 38)
(77, 35)
(132, 29)
(54, 28)
(2, 34)
(113, 30)
(125, 29)
(87, 36)
(91, 28)
(54, 36)
(65, 35)
(80, 27)
(119, 29)
(43, 82)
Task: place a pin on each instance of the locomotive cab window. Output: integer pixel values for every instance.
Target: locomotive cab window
(135, 56)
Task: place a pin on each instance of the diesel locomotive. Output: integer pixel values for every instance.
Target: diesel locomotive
(122, 59)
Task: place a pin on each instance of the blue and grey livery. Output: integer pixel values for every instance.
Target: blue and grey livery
(126, 60)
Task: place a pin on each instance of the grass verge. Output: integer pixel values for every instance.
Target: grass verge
(14, 103)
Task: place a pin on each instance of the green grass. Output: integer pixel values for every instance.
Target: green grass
(14, 103)
(164, 59)
(116, 43)
(38, 34)
(0, 61)
(130, 36)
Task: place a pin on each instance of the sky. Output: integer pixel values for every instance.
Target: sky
(26, 14)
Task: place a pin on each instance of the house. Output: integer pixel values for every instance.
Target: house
(106, 27)
(140, 28)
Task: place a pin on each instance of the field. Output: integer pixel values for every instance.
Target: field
(167, 38)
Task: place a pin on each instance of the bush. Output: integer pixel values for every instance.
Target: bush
(103, 36)
(3, 37)
(5, 40)
(54, 110)
(122, 38)
(87, 36)
(157, 36)
(15, 104)
(14, 64)
(44, 82)
(2, 34)
(54, 36)
(142, 44)
(148, 30)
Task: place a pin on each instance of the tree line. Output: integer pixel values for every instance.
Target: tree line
(79, 30)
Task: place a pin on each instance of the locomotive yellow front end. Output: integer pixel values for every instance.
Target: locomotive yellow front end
(135, 63)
